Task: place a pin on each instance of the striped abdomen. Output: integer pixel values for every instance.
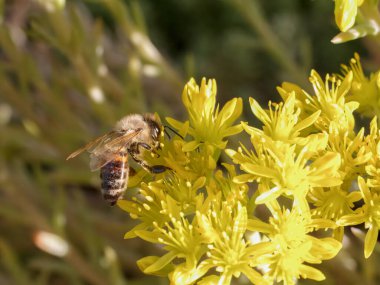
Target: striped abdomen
(114, 176)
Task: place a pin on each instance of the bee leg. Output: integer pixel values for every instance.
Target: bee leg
(144, 145)
(155, 169)
(137, 146)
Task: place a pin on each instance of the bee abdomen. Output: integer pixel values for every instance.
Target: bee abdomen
(114, 177)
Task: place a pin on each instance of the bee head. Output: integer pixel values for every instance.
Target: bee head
(154, 126)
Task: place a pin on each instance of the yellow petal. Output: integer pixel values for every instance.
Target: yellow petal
(176, 124)
(345, 13)
(185, 274)
(230, 112)
(209, 280)
(126, 205)
(200, 182)
(327, 164)
(350, 220)
(257, 225)
(306, 122)
(132, 232)
(322, 224)
(370, 240)
(364, 189)
(244, 178)
(160, 263)
(311, 273)
(232, 130)
(206, 228)
(259, 170)
(338, 234)
(259, 112)
(240, 224)
(251, 130)
(320, 181)
(268, 195)
(345, 87)
(145, 262)
(325, 248)
(148, 236)
(354, 33)
(314, 142)
(190, 146)
(254, 276)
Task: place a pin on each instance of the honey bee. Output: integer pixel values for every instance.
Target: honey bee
(110, 152)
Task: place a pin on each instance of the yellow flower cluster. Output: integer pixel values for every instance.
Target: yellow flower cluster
(303, 165)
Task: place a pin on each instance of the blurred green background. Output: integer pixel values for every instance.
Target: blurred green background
(68, 74)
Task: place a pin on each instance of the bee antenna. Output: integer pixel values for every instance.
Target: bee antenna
(167, 133)
(174, 131)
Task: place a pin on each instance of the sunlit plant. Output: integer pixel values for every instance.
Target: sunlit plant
(307, 165)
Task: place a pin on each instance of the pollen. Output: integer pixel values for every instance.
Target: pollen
(146, 206)
(149, 198)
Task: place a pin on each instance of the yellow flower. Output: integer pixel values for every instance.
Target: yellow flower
(184, 192)
(232, 191)
(206, 123)
(373, 166)
(151, 206)
(290, 246)
(329, 100)
(364, 90)
(281, 121)
(255, 156)
(353, 153)
(292, 173)
(180, 239)
(224, 226)
(333, 203)
(369, 214)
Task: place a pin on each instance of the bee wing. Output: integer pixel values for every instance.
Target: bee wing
(99, 160)
(114, 143)
(93, 144)
(108, 150)
(121, 140)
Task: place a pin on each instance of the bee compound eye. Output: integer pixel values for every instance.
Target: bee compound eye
(156, 132)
